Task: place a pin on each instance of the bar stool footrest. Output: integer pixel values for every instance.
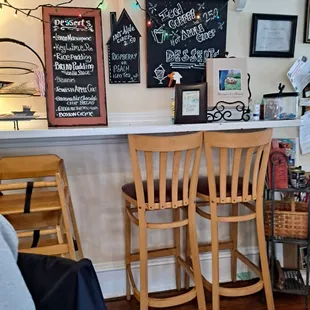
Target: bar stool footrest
(162, 302)
(242, 291)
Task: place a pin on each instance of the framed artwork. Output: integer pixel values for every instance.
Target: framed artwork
(307, 23)
(273, 35)
(191, 104)
(227, 80)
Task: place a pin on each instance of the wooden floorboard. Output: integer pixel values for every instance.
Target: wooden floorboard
(254, 302)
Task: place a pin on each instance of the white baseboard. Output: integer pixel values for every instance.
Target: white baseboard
(162, 272)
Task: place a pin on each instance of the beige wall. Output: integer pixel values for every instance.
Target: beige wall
(266, 73)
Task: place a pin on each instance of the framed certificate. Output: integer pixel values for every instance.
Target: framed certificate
(273, 35)
(191, 104)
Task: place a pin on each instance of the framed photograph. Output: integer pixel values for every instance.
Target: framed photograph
(273, 35)
(191, 104)
(307, 23)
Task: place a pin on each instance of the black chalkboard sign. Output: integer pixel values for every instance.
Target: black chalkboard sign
(75, 67)
(124, 50)
(181, 35)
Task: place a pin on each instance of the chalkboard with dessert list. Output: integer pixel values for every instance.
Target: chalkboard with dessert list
(74, 66)
(124, 50)
(181, 35)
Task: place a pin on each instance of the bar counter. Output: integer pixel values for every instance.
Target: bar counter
(141, 128)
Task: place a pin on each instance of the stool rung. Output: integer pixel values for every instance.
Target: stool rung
(154, 254)
(167, 225)
(43, 232)
(17, 186)
(173, 301)
(48, 250)
(162, 302)
(226, 245)
(236, 219)
(203, 214)
(242, 291)
(250, 264)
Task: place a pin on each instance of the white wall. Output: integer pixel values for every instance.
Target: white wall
(98, 169)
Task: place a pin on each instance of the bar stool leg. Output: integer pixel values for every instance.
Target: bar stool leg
(195, 258)
(234, 237)
(143, 260)
(177, 244)
(127, 250)
(215, 258)
(187, 255)
(263, 254)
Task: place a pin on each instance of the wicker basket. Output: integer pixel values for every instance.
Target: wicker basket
(290, 219)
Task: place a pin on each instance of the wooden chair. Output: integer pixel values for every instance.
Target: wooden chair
(249, 151)
(153, 195)
(35, 199)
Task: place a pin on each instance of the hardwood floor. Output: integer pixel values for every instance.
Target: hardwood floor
(254, 302)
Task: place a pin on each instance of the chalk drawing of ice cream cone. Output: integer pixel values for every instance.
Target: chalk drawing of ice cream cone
(160, 74)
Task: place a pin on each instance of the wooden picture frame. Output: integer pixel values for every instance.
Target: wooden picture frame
(191, 104)
(87, 106)
(307, 23)
(281, 43)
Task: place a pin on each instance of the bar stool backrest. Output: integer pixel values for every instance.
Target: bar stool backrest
(250, 153)
(21, 167)
(191, 145)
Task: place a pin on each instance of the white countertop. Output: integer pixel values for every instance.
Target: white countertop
(140, 128)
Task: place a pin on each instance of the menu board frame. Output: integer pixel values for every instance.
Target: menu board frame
(48, 13)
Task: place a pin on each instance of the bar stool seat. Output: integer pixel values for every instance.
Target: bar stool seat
(130, 191)
(204, 192)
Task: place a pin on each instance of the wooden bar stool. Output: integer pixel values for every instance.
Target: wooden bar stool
(161, 194)
(35, 199)
(249, 152)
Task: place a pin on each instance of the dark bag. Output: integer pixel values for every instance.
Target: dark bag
(61, 284)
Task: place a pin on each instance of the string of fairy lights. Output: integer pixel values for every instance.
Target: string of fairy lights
(29, 12)
(151, 18)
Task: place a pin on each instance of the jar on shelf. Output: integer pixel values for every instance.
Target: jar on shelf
(281, 106)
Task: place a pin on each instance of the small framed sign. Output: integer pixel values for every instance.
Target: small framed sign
(191, 104)
(307, 23)
(273, 35)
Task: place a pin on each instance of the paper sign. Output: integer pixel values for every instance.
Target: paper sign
(305, 102)
(190, 103)
(299, 74)
(304, 132)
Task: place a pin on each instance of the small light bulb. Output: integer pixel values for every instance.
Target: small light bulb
(198, 16)
(80, 15)
(149, 23)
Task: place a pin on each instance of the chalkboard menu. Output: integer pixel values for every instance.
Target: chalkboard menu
(181, 35)
(124, 50)
(75, 67)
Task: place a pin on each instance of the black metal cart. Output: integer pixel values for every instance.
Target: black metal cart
(293, 280)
